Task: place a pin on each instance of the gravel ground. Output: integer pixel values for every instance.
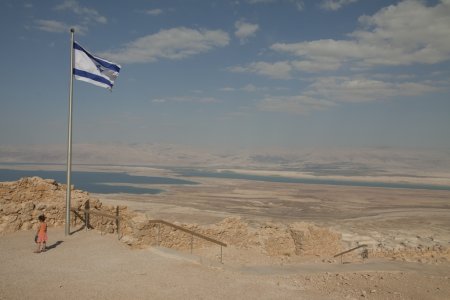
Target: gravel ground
(94, 266)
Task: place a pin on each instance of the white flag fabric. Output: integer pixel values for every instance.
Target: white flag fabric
(93, 69)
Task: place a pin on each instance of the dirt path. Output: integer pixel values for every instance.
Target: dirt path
(88, 265)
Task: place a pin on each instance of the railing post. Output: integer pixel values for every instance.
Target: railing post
(159, 234)
(87, 207)
(86, 214)
(221, 254)
(117, 221)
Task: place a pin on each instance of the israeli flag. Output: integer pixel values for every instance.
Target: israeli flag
(93, 69)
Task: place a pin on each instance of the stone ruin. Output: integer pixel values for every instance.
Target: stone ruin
(22, 201)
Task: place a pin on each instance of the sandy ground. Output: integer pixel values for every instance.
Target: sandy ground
(364, 214)
(89, 265)
(93, 266)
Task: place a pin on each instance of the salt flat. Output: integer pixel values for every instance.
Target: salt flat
(383, 214)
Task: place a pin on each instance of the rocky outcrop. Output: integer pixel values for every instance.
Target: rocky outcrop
(310, 239)
(22, 201)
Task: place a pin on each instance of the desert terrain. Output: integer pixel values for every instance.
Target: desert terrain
(407, 233)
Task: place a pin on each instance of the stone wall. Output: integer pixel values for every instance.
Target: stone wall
(21, 202)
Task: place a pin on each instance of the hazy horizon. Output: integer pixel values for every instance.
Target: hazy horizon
(315, 161)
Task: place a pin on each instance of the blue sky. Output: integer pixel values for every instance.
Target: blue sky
(231, 74)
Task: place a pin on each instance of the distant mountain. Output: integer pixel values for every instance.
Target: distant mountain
(317, 161)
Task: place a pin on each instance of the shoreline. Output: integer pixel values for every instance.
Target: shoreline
(430, 182)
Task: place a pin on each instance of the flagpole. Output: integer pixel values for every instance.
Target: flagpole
(69, 137)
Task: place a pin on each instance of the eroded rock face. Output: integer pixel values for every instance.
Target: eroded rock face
(310, 239)
(22, 201)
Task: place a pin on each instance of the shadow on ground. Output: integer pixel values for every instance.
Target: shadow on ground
(54, 245)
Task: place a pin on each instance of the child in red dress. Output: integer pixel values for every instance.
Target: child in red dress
(41, 235)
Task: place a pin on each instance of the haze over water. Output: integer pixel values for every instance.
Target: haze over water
(113, 182)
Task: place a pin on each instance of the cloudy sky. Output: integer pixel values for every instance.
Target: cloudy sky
(231, 74)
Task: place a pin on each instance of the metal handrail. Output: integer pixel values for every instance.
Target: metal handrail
(349, 250)
(190, 232)
(117, 218)
(102, 214)
(90, 211)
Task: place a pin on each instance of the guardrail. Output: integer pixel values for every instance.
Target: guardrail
(193, 233)
(352, 249)
(87, 212)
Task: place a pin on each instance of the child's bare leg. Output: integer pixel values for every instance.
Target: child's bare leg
(38, 248)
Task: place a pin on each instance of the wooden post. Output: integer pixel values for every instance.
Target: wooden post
(159, 234)
(86, 219)
(192, 243)
(117, 221)
(87, 207)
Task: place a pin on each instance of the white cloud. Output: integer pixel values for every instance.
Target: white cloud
(278, 70)
(249, 88)
(326, 92)
(335, 4)
(283, 69)
(51, 26)
(261, 1)
(403, 34)
(154, 12)
(301, 104)
(227, 89)
(245, 30)
(175, 43)
(58, 27)
(299, 4)
(315, 66)
(89, 14)
(408, 33)
(187, 99)
(361, 89)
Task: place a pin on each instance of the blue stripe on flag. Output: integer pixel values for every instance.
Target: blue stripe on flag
(101, 61)
(92, 77)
